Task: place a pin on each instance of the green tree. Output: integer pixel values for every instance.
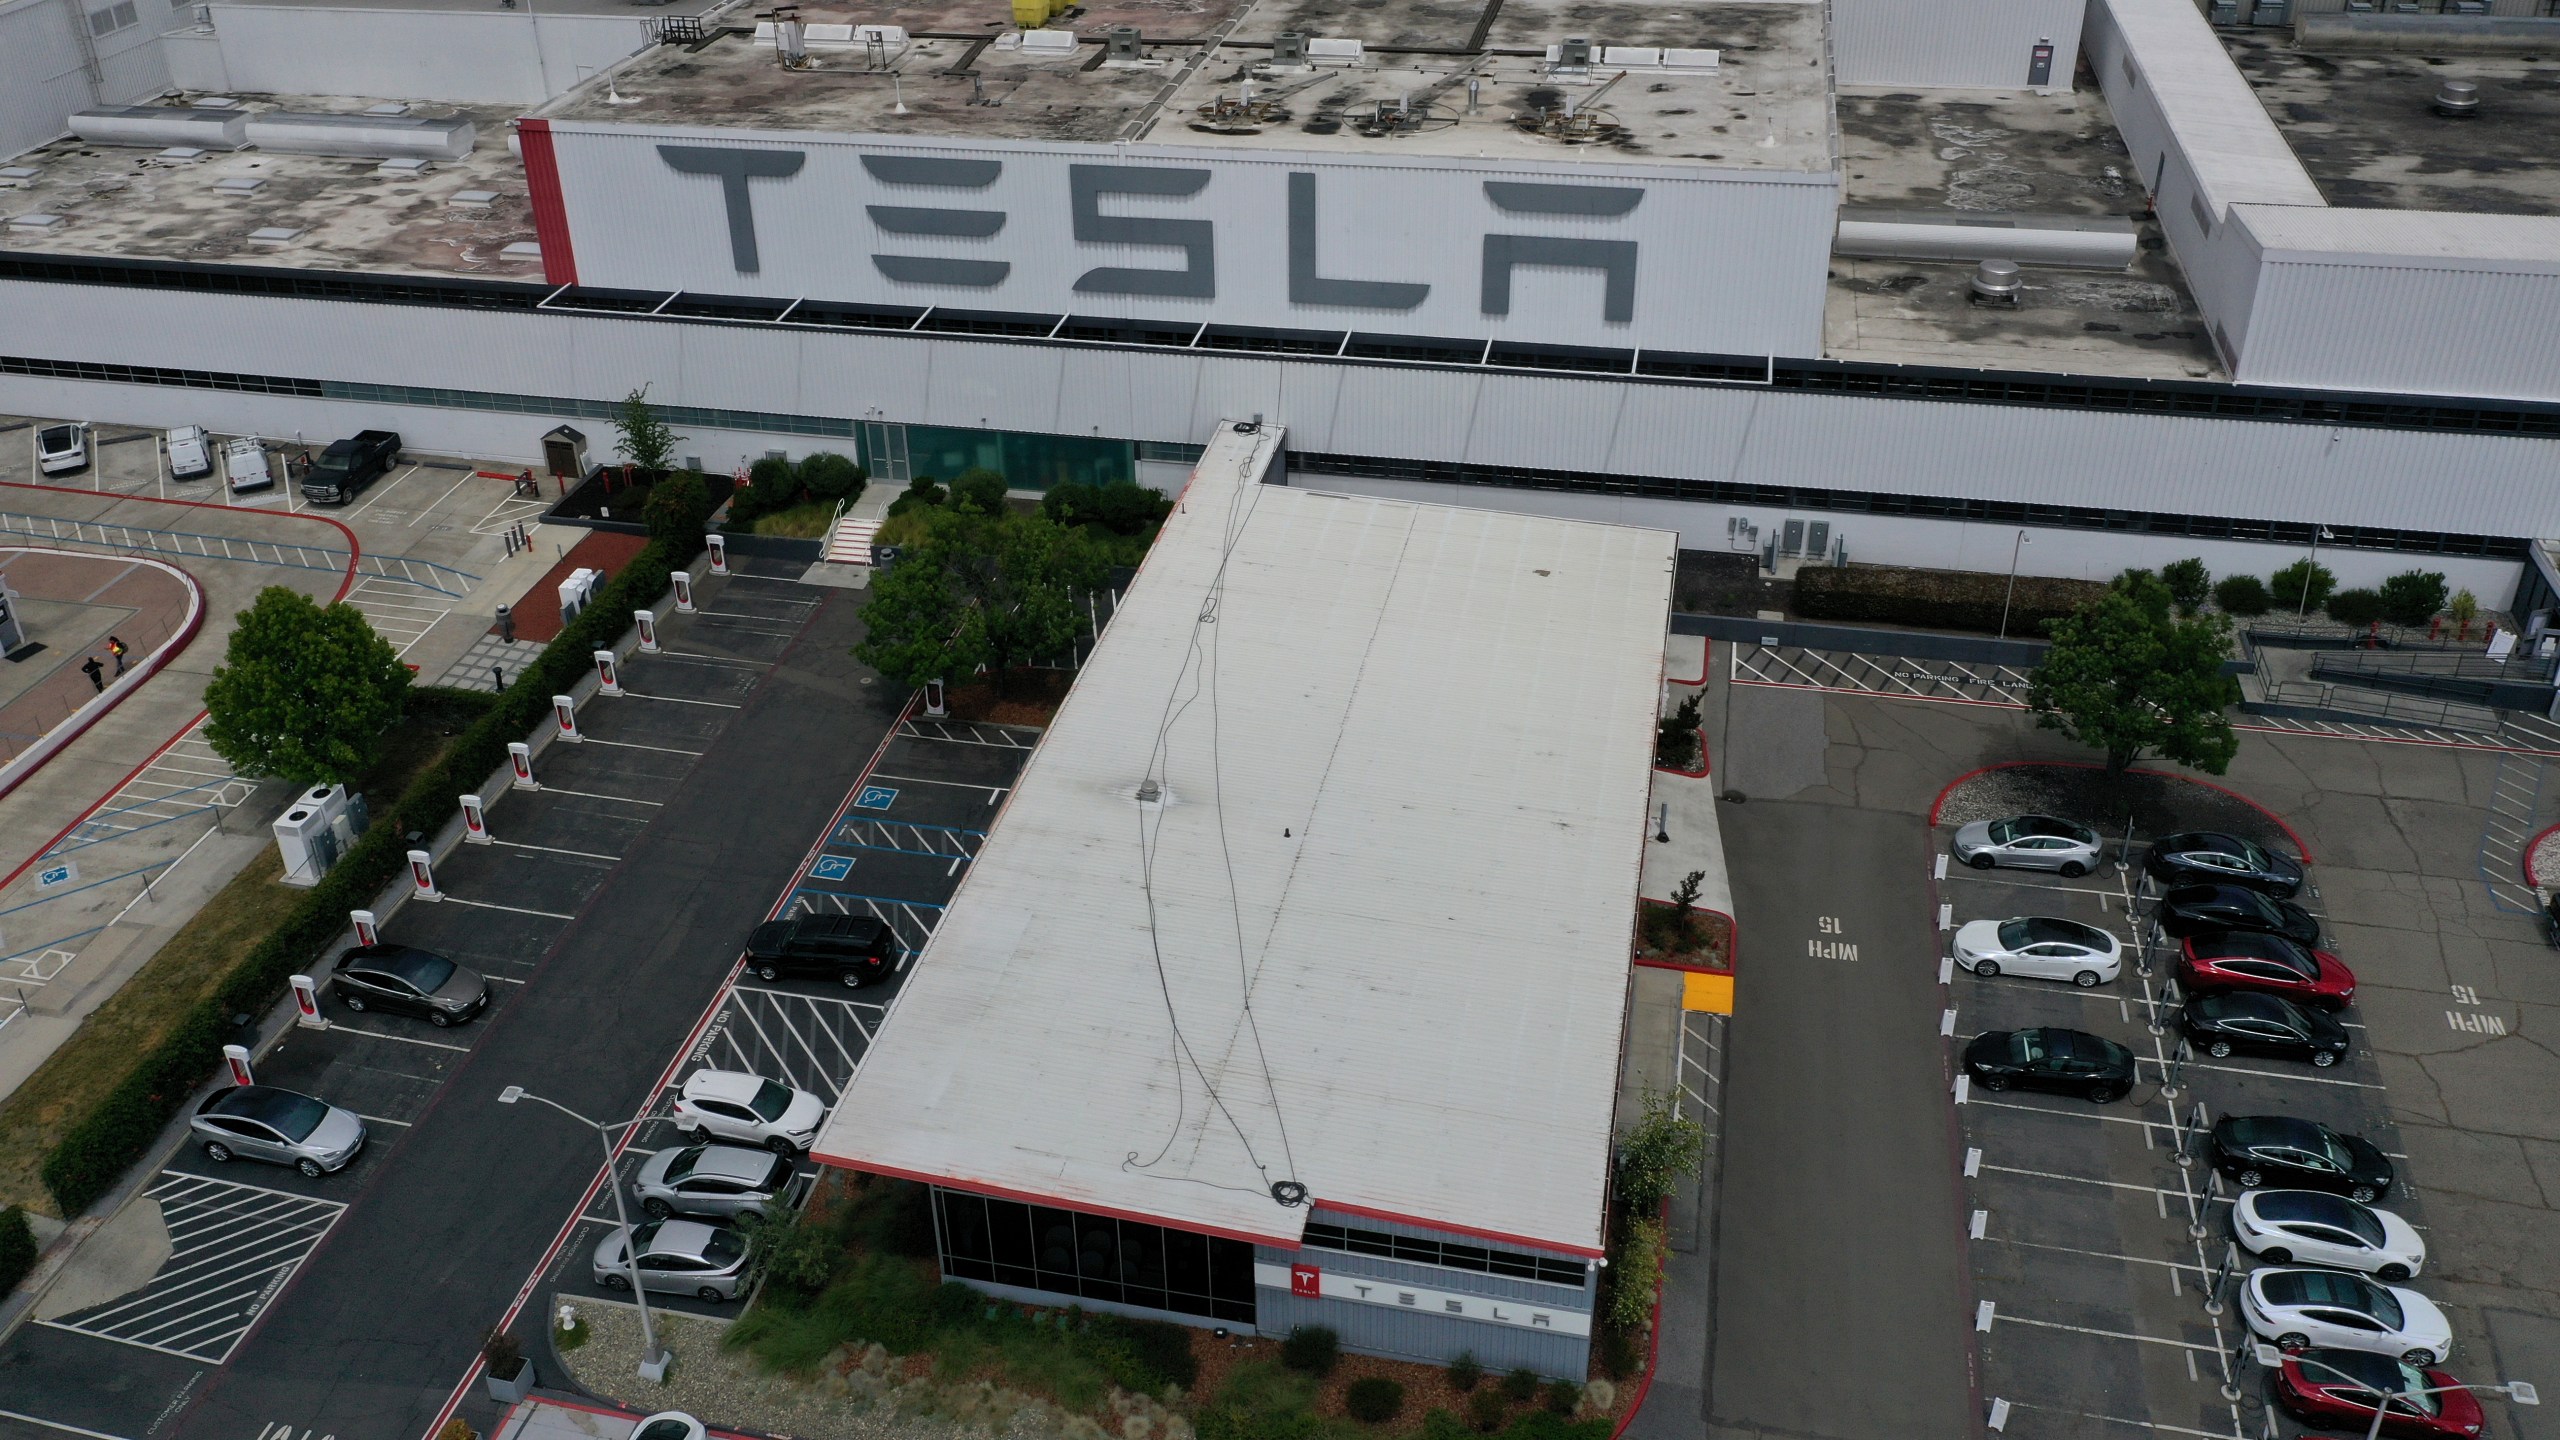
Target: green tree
(993, 590)
(831, 477)
(2463, 608)
(679, 505)
(2189, 582)
(303, 692)
(2413, 597)
(2127, 677)
(2305, 585)
(773, 483)
(2357, 609)
(646, 440)
(981, 491)
(920, 624)
(1033, 595)
(2241, 595)
(1662, 1146)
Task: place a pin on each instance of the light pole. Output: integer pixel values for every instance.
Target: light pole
(2311, 568)
(2014, 551)
(2519, 1391)
(653, 1361)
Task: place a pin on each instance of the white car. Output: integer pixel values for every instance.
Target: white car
(2042, 947)
(2298, 1309)
(669, 1425)
(190, 453)
(245, 461)
(734, 1105)
(61, 449)
(2317, 1228)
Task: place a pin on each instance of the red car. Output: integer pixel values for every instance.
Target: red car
(2321, 1394)
(2219, 960)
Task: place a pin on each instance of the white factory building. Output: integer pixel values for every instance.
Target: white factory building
(1712, 266)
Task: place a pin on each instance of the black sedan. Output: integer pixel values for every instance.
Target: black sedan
(408, 981)
(2069, 1061)
(2206, 857)
(2195, 909)
(2250, 1022)
(2278, 1150)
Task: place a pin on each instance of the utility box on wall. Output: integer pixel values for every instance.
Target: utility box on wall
(320, 825)
(564, 454)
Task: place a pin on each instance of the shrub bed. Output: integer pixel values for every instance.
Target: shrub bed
(99, 1147)
(1937, 599)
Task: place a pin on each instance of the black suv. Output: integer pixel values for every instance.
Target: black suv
(349, 465)
(856, 949)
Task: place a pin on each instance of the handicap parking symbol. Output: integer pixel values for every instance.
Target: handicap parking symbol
(831, 867)
(875, 797)
(55, 876)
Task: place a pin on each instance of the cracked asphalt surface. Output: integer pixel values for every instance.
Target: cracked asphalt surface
(2462, 1000)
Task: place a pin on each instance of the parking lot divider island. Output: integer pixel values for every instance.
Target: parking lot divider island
(99, 1147)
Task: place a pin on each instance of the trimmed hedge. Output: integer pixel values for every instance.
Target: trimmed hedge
(101, 1145)
(18, 1249)
(1938, 599)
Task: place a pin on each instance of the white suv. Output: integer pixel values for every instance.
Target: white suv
(734, 1105)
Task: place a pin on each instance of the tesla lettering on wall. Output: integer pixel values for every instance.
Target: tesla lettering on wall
(740, 174)
(1309, 1282)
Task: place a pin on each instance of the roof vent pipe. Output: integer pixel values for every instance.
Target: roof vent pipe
(2457, 99)
(1995, 282)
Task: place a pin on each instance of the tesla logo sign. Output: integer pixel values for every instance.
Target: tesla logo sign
(1307, 1281)
(1310, 1282)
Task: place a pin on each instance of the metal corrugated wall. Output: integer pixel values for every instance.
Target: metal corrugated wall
(2402, 327)
(1911, 42)
(2398, 479)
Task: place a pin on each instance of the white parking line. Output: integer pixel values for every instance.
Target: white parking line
(403, 1039)
(592, 795)
(2141, 1060)
(2065, 1114)
(706, 659)
(382, 1120)
(2232, 1434)
(2096, 1254)
(551, 849)
(677, 700)
(2180, 1195)
(510, 909)
(2007, 1319)
(627, 745)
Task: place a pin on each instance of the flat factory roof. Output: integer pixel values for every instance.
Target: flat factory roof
(318, 211)
(2365, 127)
(1707, 82)
(1404, 758)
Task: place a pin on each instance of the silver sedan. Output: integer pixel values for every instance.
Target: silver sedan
(2030, 842)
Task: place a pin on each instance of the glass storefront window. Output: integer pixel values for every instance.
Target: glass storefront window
(1077, 1256)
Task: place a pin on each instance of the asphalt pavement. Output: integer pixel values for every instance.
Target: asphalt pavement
(367, 1340)
(1840, 1279)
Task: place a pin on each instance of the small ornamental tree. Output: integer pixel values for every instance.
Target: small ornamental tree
(2357, 608)
(2305, 585)
(304, 692)
(830, 477)
(1660, 1148)
(2463, 608)
(2189, 582)
(2243, 595)
(676, 510)
(981, 491)
(2125, 676)
(648, 444)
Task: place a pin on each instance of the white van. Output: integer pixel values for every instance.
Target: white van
(245, 461)
(190, 453)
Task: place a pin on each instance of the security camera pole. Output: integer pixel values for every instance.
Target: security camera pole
(653, 1361)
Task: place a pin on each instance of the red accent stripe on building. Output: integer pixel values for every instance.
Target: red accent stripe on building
(550, 213)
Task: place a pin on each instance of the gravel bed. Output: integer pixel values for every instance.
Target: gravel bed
(727, 1389)
(2159, 804)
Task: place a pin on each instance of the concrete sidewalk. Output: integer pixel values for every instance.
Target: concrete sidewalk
(1676, 1024)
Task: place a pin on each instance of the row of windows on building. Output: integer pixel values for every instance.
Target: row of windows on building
(1093, 1257)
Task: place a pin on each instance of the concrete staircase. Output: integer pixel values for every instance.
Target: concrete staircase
(850, 542)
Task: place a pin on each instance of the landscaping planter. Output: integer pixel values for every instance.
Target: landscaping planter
(514, 1389)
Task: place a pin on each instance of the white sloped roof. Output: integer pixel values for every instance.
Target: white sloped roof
(1406, 752)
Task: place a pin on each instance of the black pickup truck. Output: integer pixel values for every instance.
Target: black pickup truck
(349, 465)
(852, 949)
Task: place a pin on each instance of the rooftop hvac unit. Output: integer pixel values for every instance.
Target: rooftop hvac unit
(1289, 47)
(162, 126)
(367, 137)
(1574, 53)
(1124, 45)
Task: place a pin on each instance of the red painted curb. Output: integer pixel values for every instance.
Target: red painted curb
(1935, 806)
(2529, 847)
(1706, 655)
(79, 721)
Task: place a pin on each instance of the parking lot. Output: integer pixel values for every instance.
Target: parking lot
(2104, 1277)
(897, 848)
(235, 1234)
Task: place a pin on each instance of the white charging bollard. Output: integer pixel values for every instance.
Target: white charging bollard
(933, 706)
(608, 674)
(648, 623)
(306, 1004)
(520, 756)
(475, 821)
(422, 871)
(368, 932)
(683, 581)
(565, 711)
(719, 547)
(237, 1056)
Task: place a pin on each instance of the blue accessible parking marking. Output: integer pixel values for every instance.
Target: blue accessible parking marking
(831, 867)
(875, 797)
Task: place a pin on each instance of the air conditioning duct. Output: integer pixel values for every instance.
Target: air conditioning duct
(2079, 242)
(162, 126)
(365, 137)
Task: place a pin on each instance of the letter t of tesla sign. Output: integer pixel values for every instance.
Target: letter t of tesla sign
(1306, 1281)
